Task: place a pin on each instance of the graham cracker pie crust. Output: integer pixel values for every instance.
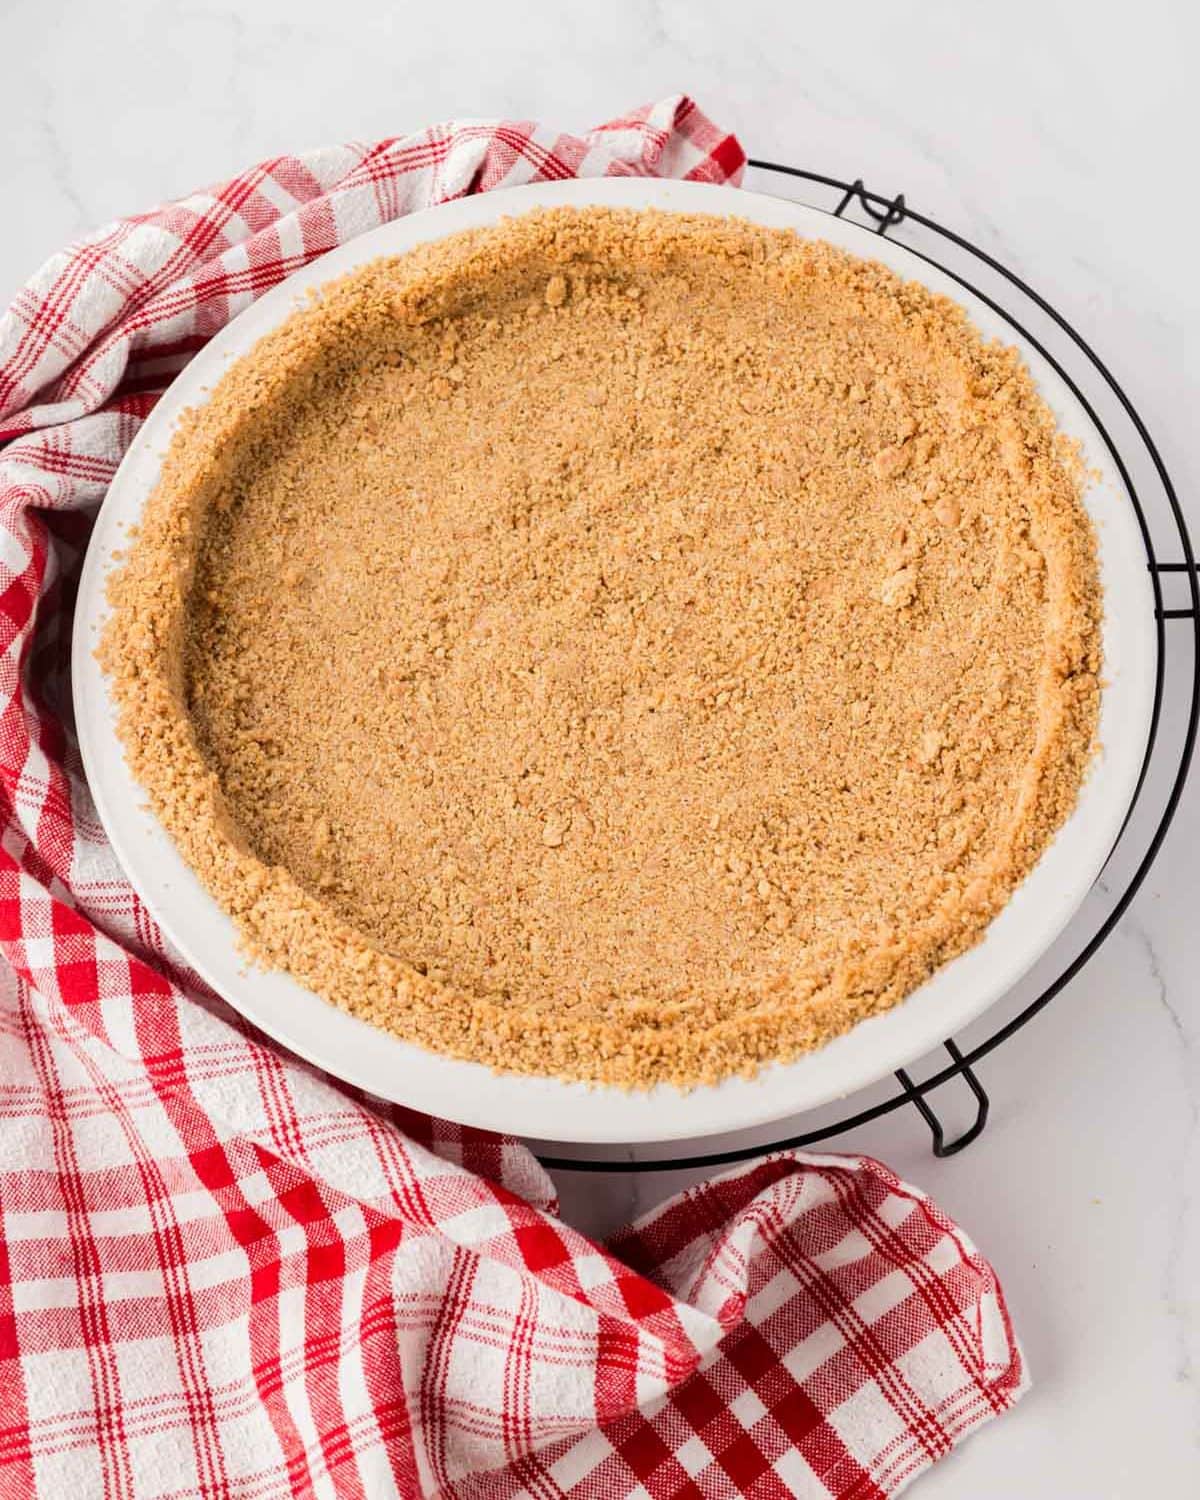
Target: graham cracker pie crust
(620, 645)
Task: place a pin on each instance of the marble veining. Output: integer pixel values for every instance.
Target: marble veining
(1180, 1268)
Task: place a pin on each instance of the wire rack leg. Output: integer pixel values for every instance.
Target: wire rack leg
(884, 218)
(942, 1147)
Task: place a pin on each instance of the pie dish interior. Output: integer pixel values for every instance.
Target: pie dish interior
(618, 647)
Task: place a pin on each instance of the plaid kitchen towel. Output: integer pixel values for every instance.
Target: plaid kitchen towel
(223, 1274)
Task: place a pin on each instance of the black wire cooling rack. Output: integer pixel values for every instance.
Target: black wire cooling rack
(1176, 707)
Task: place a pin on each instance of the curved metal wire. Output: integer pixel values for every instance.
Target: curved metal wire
(886, 213)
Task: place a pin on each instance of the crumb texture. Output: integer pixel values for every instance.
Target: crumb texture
(624, 646)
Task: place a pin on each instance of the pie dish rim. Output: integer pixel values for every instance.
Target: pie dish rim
(548, 1107)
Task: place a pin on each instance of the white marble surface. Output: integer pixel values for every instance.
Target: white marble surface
(1056, 134)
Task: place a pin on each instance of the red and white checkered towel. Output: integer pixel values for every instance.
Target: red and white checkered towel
(223, 1274)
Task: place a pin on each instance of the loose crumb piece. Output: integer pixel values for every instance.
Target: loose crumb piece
(625, 646)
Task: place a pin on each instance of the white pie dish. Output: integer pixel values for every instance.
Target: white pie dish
(549, 1108)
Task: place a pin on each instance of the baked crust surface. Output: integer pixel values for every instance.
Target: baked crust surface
(626, 646)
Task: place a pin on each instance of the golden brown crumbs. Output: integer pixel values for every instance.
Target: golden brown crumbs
(626, 646)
